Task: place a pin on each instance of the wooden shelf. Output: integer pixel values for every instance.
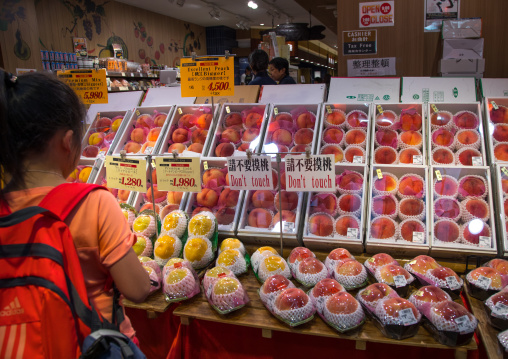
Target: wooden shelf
(155, 303)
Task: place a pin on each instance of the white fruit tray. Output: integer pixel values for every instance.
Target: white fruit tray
(500, 195)
(490, 114)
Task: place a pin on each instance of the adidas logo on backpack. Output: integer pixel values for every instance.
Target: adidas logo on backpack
(13, 309)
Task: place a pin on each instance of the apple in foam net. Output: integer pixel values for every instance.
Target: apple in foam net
(342, 303)
(472, 186)
(275, 283)
(326, 287)
(411, 186)
(422, 264)
(375, 292)
(291, 298)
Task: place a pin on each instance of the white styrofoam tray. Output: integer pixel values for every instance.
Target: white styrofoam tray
(500, 215)
(490, 126)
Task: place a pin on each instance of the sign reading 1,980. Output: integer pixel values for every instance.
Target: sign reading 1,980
(310, 174)
(178, 174)
(129, 174)
(250, 173)
(207, 76)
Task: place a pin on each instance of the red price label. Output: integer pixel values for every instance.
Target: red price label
(218, 86)
(180, 182)
(365, 20)
(93, 95)
(386, 8)
(129, 181)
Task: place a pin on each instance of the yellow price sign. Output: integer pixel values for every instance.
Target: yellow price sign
(379, 174)
(379, 109)
(127, 173)
(180, 174)
(89, 85)
(438, 175)
(328, 109)
(434, 108)
(207, 76)
(504, 170)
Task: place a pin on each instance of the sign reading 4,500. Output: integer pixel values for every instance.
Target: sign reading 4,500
(187, 182)
(93, 95)
(218, 86)
(129, 181)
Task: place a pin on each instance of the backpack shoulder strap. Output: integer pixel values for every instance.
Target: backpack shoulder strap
(62, 199)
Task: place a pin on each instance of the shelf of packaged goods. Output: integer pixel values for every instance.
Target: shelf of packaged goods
(130, 74)
(128, 88)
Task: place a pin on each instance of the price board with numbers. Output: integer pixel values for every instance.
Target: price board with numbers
(89, 85)
(127, 173)
(314, 173)
(250, 173)
(180, 174)
(207, 76)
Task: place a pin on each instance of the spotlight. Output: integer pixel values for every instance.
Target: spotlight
(252, 5)
(215, 13)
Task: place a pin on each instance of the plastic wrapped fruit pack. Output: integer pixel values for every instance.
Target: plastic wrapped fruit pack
(345, 135)
(503, 342)
(377, 261)
(237, 132)
(323, 290)
(180, 282)
(272, 287)
(451, 324)
(144, 132)
(100, 135)
(342, 312)
(225, 293)
(485, 281)
(428, 296)
(456, 139)
(291, 131)
(373, 294)
(293, 307)
(398, 137)
(351, 274)
(461, 210)
(398, 208)
(498, 130)
(497, 310)
(337, 214)
(396, 277)
(397, 318)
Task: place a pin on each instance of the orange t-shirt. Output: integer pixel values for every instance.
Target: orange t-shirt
(101, 235)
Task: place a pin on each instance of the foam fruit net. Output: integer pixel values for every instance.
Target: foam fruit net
(181, 289)
(228, 301)
(310, 280)
(503, 339)
(350, 282)
(388, 319)
(210, 281)
(450, 325)
(296, 315)
(345, 321)
(207, 256)
(441, 283)
(238, 267)
(264, 273)
(269, 298)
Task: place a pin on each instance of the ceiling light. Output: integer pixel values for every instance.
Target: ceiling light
(252, 5)
(215, 13)
(261, 24)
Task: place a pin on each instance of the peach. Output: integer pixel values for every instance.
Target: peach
(336, 151)
(500, 265)
(339, 254)
(324, 202)
(336, 118)
(168, 209)
(90, 151)
(174, 197)
(466, 156)
(387, 138)
(447, 208)
(204, 121)
(96, 139)
(449, 311)
(253, 119)
(350, 181)
(244, 147)
(443, 156)
(350, 203)
(446, 231)
(282, 137)
(250, 134)
(326, 287)
(187, 121)
(491, 273)
(442, 273)
(298, 254)
(180, 135)
(446, 187)
(230, 135)
(386, 119)
(406, 156)
(382, 228)
(195, 147)
(310, 265)
(410, 121)
(380, 260)
(160, 119)
(225, 216)
(498, 116)
(342, 303)
(345, 222)
(199, 136)
(471, 186)
(443, 137)
(103, 124)
(477, 207)
(393, 306)
(472, 234)
(198, 210)
(333, 135)
(385, 184)
(158, 196)
(321, 225)
(132, 147)
(469, 137)
(501, 152)
(291, 299)
(352, 152)
(289, 200)
(145, 148)
(225, 149)
(179, 147)
(216, 175)
(422, 264)
(284, 118)
(357, 119)
(303, 148)
(384, 205)
(349, 267)
(144, 121)
(411, 138)
(389, 271)
(153, 135)
(500, 133)
(123, 195)
(355, 137)
(229, 197)
(260, 218)
(262, 199)
(233, 120)
(408, 227)
(385, 155)
(440, 118)
(466, 119)
(207, 198)
(287, 216)
(374, 292)
(411, 186)
(275, 283)
(411, 207)
(305, 120)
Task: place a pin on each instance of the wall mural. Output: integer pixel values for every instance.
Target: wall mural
(10, 12)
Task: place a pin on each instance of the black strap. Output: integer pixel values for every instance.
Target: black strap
(102, 341)
(20, 216)
(37, 281)
(31, 250)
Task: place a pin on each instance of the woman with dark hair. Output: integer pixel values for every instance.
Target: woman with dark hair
(279, 71)
(41, 121)
(258, 61)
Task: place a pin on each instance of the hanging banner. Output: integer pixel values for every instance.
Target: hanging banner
(371, 67)
(207, 76)
(377, 14)
(436, 11)
(359, 42)
(89, 85)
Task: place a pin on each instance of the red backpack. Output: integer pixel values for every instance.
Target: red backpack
(44, 307)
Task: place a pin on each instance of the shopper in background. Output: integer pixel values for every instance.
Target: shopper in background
(279, 71)
(258, 60)
(40, 145)
(246, 76)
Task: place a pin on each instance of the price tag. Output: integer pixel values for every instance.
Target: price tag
(180, 110)
(90, 85)
(180, 174)
(357, 159)
(504, 170)
(477, 161)
(123, 88)
(250, 173)
(207, 76)
(371, 259)
(407, 316)
(434, 108)
(379, 108)
(419, 293)
(352, 233)
(205, 165)
(379, 174)
(417, 160)
(148, 150)
(129, 174)
(400, 281)
(496, 107)
(464, 324)
(485, 242)
(138, 113)
(132, 74)
(328, 109)
(227, 109)
(500, 309)
(418, 237)
(123, 74)
(366, 292)
(483, 282)
(452, 282)
(276, 111)
(438, 175)
(288, 227)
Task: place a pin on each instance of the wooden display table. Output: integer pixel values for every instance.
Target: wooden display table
(155, 303)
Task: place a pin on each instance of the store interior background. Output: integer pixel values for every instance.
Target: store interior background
(28, 26)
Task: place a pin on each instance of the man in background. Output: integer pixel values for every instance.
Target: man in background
(279, 71)
(258, 61)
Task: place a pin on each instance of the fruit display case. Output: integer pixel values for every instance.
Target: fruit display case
(500, 185)
(324, 209)
(239, 127)
(348, 142)
(259, 218)
(189, 130)
(398, 210)
(85, 172)
(496, 128)
(462, 212)
(103, 133)
(216, 196)
(122, 196)
(398, 135)
(291, 128)
(455, 135)
(143, 130)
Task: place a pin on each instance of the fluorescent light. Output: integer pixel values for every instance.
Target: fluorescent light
(261, 24)
(252, 5)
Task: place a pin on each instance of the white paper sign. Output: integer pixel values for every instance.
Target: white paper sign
(418, 237)
(377, 13)
(485, 242)
(313, 174)
(371, 67)
(254, 173)
(452, 282)
(477, 161)
(357, 159)
(352, 233)
(483, 282)
(400, 281)
(417, 160)
(407, 316)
